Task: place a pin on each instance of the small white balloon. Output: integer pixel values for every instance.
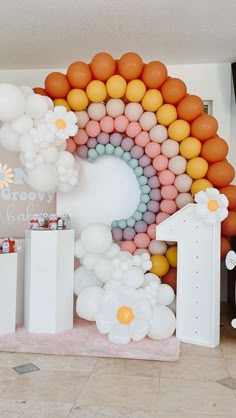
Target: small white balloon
(104, 270)
(165, 295)
(9, 139)
(22, 125)
(133, 277)
(36, 106)
(96, 238)
(162, 324)
(83, 278)
(88, 302)
(65, 159)
(150, 277)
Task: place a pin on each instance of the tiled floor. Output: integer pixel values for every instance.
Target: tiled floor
(201, 384)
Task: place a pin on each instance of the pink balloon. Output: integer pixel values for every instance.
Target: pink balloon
(148, 120)
(152, 149)
(133, 129)
(152, 231)
(161, 216)
(133, 111)
(160, 162)
(93, 128)
(183, 199)
(121, 123)
(183, 183)
(107, 124)
(168, 206)
(158, 133)
(170, 148)
(169, 192)
(128, 246)
(142, 240)
(166, 177)
(142, 139)
(177, 164)
(81, 137)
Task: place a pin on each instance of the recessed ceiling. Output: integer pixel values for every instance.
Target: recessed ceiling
(54, 33)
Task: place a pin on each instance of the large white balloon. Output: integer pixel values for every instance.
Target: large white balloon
(9, 139)
(43, 178)
(88, 302)
(65, 159)
(12, 102)
(22, 124)
(163, 323)
(36, 106)
(84, 278)
(96, 238)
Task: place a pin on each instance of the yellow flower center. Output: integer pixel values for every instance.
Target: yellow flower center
(212, 205)
(60, 124)
(125, 315)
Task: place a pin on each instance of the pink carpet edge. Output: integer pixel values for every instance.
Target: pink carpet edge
(85, 340)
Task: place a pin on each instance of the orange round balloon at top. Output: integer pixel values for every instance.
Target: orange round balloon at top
(130, 66)
(190, 107)
(220, 174)
(103, 66)
(39, 90)
(214, 149)
(79, 74)
(57, 85)
(228, 226)
(204, 127)
(224, 247)
(154, 74)
(173, 90)
(230, 193)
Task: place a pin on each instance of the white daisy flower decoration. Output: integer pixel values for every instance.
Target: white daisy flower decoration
(6, 176)
(124, 315)
(61, 122)
(211, 205)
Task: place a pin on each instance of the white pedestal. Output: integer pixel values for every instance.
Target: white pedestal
(20, 283)
(8, 282)
(49, 276)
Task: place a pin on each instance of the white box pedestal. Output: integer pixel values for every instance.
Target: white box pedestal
(8, 283)
(49, 276)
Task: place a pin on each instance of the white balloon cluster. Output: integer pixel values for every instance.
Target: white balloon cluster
(38, 131)
(115, 290)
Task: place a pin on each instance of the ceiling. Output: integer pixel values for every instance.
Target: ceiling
(54, 33)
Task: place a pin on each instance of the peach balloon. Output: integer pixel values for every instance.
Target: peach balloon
(147, 121)
(190, 107)
(93, 128)
(158, 134)
(160, 162)
(161, 216)
(79, 74)
(166, 114)
(133, 111)
(96, 111)
(173, 90)
(168, 206)
(121, 123)
(130, 66)
(166, 177)
(183, 199)
(142, 240)
(183, 183)
(128, 246)
(221, 173)
(170, 148)
(133, 129)
(103, 66)
(177, 164)
(83, 118)
(154, 74)
(179, 130)
(204, 127)
(81, 137)
(107, 124)
(70, 145)
(197, 167)
(142, 139)
(152, 149)
(115, 107)
(151, 231)
(169, 192)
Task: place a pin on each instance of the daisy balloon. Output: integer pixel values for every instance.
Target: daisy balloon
(61, 122)
(211, 205)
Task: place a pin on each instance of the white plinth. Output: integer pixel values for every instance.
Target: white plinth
(8, 282)
(49, 275)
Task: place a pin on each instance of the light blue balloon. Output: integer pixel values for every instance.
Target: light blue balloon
(118, 151)
(114, 224)
(100, 148)
(92, 154)
(131, 221)
(138, 171)
(126, 156)
(133, 163)
(142, 207)
(142, 180)
(122, 223)
(145, 188)
(144, 198)
(110, 149)
(137, 215)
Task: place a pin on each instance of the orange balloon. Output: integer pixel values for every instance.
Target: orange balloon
(79, 74)
(154, 74)
(173, 90)
(103, 66)
(190, 107)
(57, 85)
(39, 90)
(230, 193)
(220, 174)
(170, 278)
(70, 145)
(228, 226)
(225, 247)
(204, 127)
(214, 149)
(130, 66)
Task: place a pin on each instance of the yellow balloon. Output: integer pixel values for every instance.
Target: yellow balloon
(166, 114)
(171, 255)
(62, 102)
(179, 130)
(190, 147)
(160, 265)
(96, 91)
(152, 100)
(116, 86)
(77, 99)
(135, 91)
(197, 168)
(199, 185)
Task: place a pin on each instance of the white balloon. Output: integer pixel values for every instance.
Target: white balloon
(133, 277)
(65, 187)
(172, 306)
(65, 159)
(157, 247)
(96, 238)
(104, 270)
(113, 251)
(90, 260)
(12, 102)
(36, 106)
(162, 324)
(83, 278)
(43, 178)
(165, 295)
(88, 302)
(50, 154)
(150, 277)
(9, 139)
(26, 90)
(26, 143)
(22, 124)
(78, 249)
